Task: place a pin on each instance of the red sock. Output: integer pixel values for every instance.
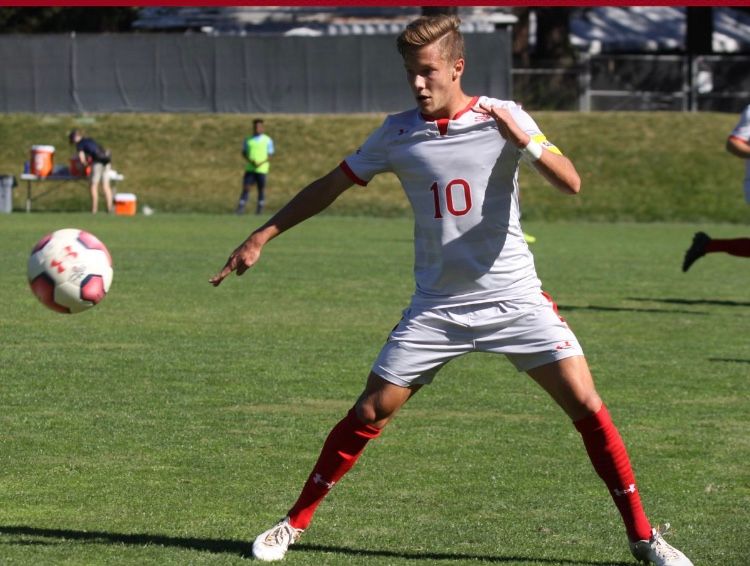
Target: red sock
(738, 246)
(610, 459)
(340, 451)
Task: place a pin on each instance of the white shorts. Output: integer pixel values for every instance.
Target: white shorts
(528, 331)
(98, 171)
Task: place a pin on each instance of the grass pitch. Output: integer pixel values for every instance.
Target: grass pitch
(634, 166)
(175, 421)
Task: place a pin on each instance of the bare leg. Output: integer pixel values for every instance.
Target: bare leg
(376, 406)
(93, 189)
(107, 190)
(570, 384)
(381, 400)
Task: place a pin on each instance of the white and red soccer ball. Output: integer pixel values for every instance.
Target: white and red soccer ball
(70, 270)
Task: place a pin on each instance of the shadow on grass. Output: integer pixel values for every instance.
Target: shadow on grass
(730, 360)
(570, 308)
(692, 302)
(433, 556)
(244, 548)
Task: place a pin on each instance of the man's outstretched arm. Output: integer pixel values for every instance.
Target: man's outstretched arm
(314, 198)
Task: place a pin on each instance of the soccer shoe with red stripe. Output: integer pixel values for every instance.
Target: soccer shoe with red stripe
(273, 544)
(658, 551)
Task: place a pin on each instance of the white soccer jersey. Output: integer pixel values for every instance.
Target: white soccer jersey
(461, 178)
(742, 131)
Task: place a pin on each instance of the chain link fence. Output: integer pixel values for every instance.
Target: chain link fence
(716, 83)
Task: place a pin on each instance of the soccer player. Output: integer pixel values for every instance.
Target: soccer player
(257, 150)
(738, 144)
(457, 158)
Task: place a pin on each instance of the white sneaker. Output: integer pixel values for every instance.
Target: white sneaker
(273, 544)
(658, 551)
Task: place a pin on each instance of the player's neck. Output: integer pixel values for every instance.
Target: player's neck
(457, 105)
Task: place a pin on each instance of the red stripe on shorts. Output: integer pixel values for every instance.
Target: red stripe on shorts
(547, 296)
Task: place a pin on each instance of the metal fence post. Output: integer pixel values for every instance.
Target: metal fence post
(584, 83)
(688, 84)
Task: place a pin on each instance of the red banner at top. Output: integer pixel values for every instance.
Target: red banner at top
(365, 3)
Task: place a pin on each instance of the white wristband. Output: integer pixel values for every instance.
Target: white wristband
(533, 151)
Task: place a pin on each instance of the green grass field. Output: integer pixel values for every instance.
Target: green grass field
(635, 166)
(173, 422)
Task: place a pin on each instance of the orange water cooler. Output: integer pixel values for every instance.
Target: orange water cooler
(42, 159)
(125, 204)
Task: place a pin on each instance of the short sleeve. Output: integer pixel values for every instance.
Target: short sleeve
(528, 125)
(742, 129)
(370, 159)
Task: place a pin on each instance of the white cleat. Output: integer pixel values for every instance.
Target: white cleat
(658, 551)
(273, 544)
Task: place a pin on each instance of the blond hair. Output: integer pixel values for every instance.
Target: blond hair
(429, 29)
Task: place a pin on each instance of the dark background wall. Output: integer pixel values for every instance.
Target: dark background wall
(196, 73)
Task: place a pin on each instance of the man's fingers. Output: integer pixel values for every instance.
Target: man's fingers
(219, 277)
(233, 264)
(242, 259)
(229, 266)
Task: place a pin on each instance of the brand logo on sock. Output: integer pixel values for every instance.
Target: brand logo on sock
(317, 478)
(629, 489)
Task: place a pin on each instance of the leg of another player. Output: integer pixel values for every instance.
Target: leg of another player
(739, 247)
(261, 183)
(107, 188)
(244, 195)
(376, 406)
(94, 190)
(571, 385)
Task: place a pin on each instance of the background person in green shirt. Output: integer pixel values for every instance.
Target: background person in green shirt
(257, 150)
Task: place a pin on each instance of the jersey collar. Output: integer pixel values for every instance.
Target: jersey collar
(469, 106)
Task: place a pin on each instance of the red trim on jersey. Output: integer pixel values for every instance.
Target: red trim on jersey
(472, 103)
(442, 125)
(351, 174)
(743, 140)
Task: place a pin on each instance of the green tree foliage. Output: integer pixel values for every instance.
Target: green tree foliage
(62, 19)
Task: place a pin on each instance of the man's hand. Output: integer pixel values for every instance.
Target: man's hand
(241, 259)
(557, 169)
(311, 200)
(506, 124)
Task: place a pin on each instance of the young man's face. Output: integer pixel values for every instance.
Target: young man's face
(434, 81)
(258, 128)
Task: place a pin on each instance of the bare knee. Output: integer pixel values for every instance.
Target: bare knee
(371, 414)
(381, 400)
(570, 384)
(584, 406)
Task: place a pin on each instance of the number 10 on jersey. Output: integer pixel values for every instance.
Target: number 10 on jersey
(452, 195)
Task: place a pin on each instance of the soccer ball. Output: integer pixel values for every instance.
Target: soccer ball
(70, 270)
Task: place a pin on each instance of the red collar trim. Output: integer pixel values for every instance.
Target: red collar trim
(472, 103)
